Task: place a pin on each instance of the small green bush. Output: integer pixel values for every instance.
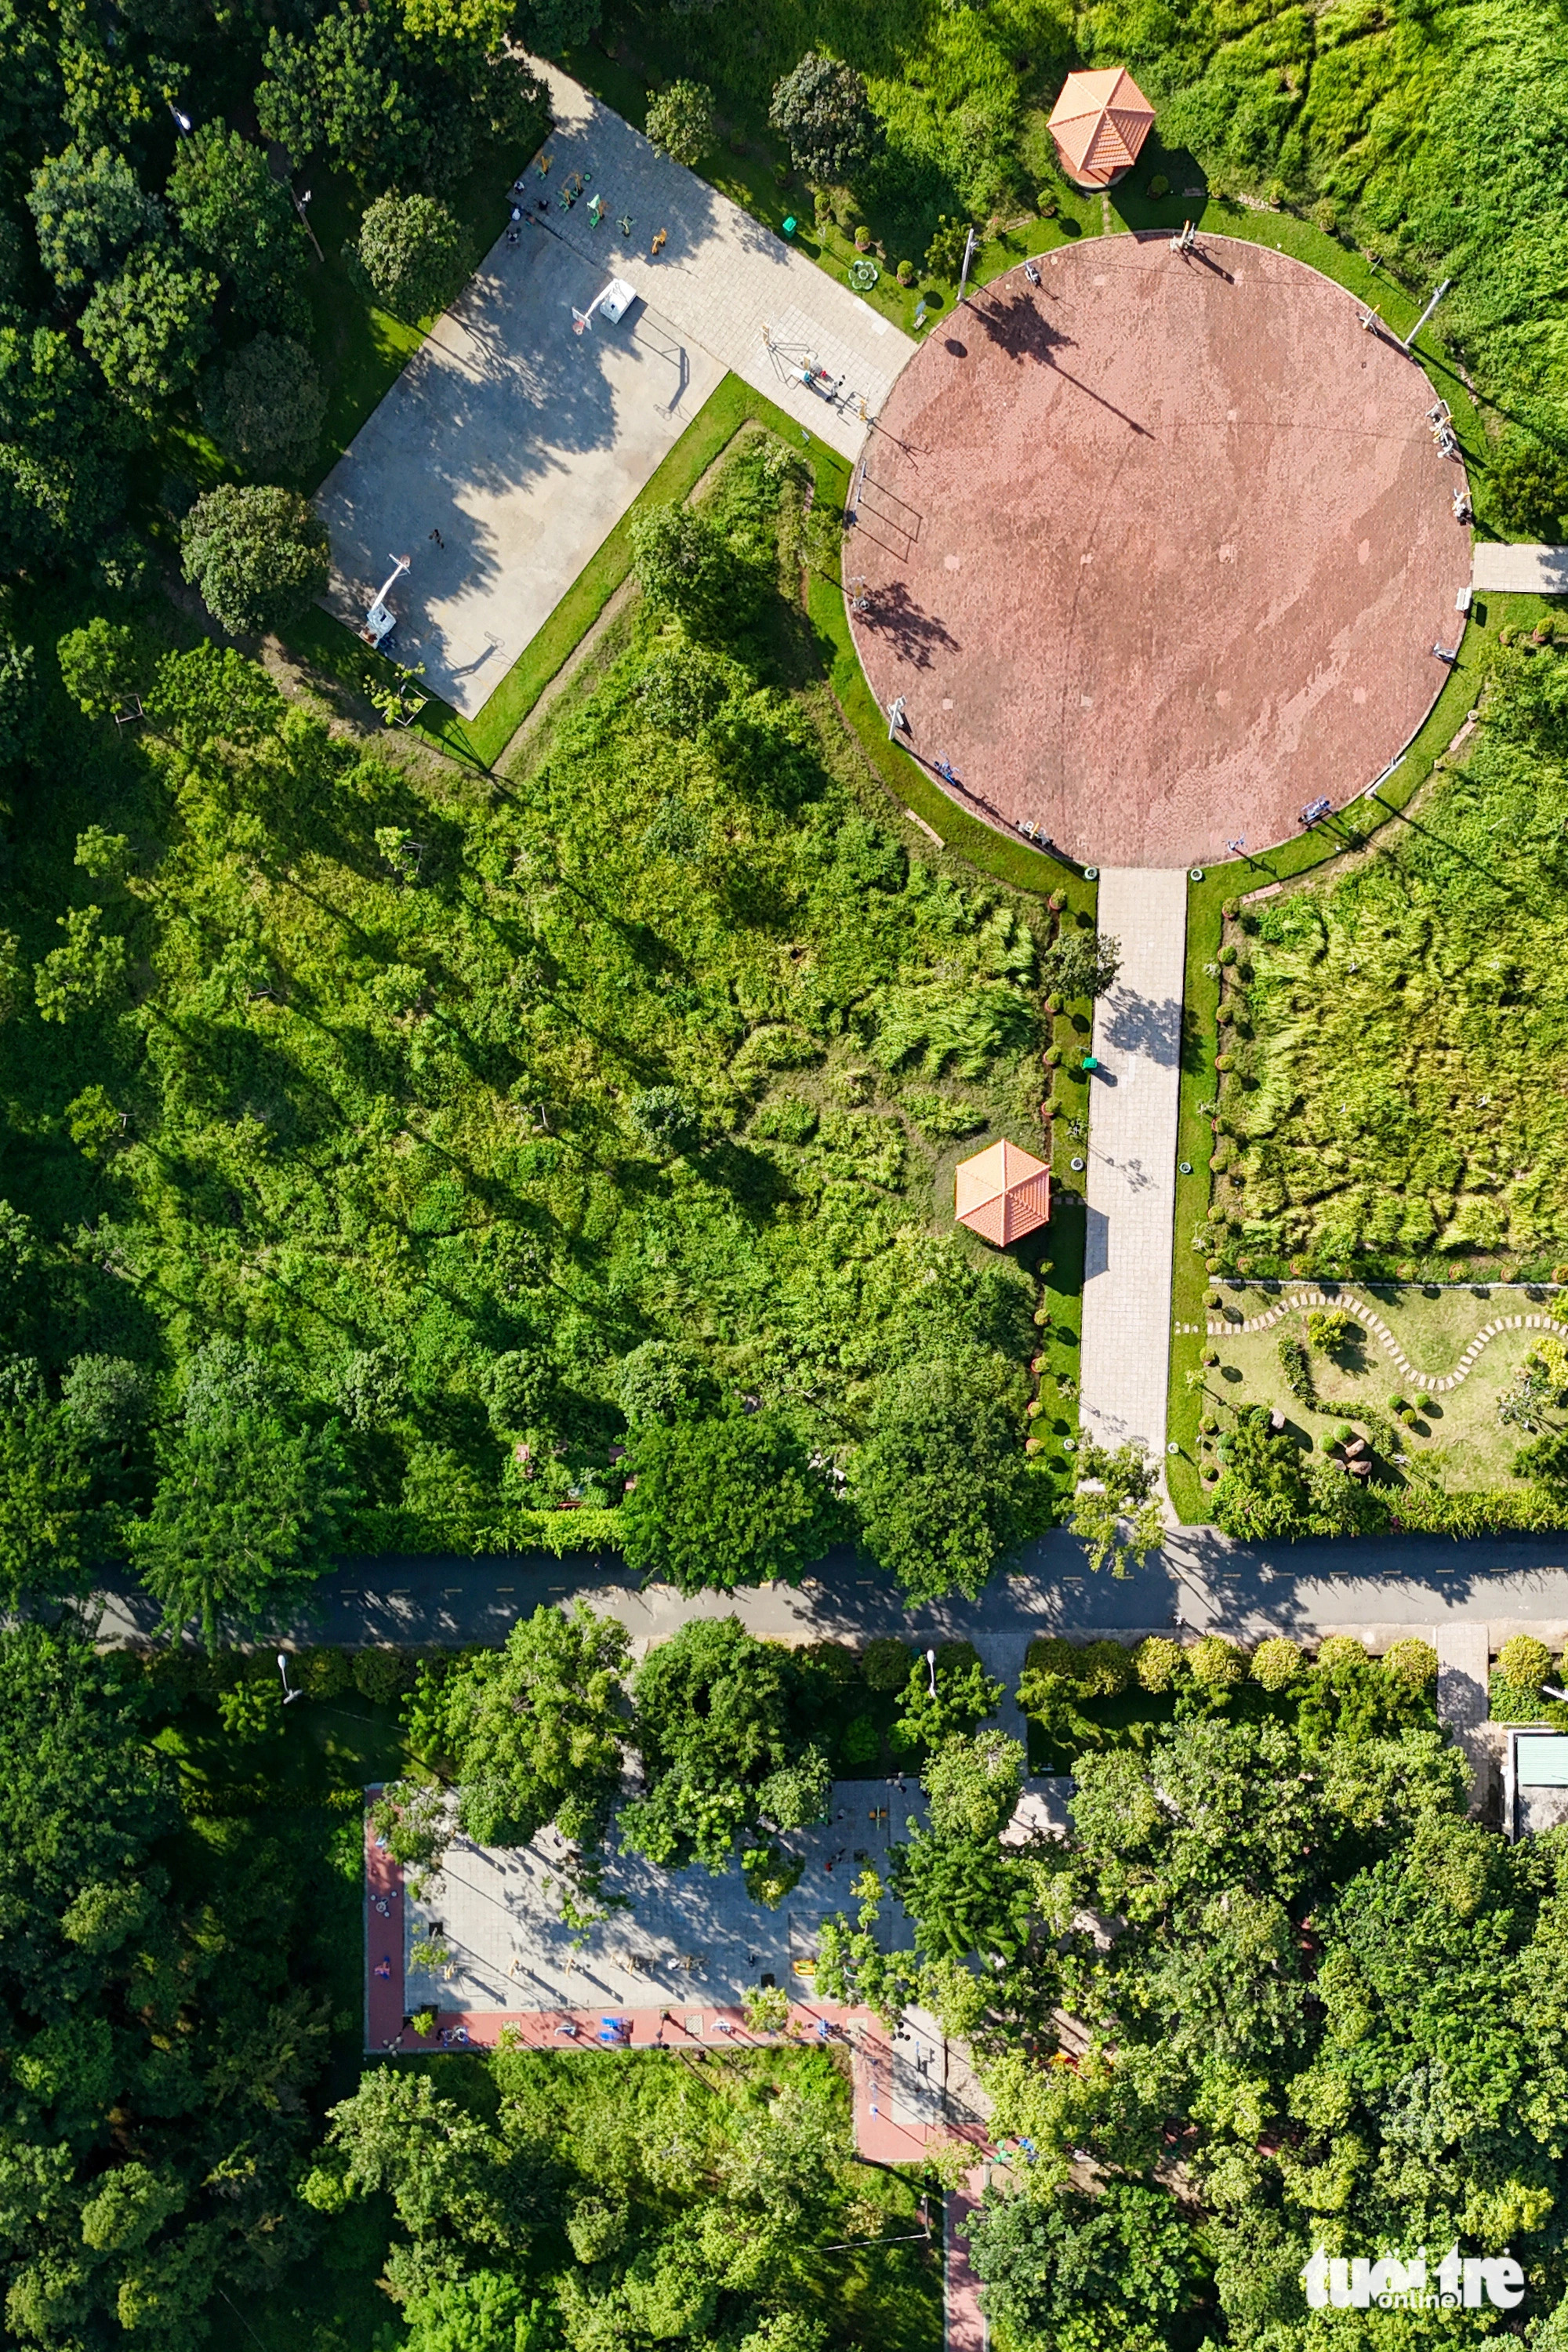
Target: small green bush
(1337, 1648)
(1105, 1669)
(1276, 1663)
(1215, 1664)
(1050, 1654)
(1158, 1663)
(323, 1673)
(1524, 1661)
(1159, 186)
(1414, 1662)
(380, 1673)
(862, 1742)
(885, 1663)
(905, 273)
(681, 121)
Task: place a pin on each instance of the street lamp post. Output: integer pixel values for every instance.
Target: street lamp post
(288, 1695)
(300, 205)
(930, 1669)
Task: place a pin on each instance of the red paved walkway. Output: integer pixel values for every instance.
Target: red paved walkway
(1157, 553)
(966, 2329)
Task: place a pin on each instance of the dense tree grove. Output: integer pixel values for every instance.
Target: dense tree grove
(145, 236)
(1274, 1994)
(163, 2021)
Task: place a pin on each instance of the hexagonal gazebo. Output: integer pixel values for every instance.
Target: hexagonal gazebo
(1099, 123)
(1002, 1194)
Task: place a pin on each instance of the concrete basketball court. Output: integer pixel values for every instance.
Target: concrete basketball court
(522, 444)
(1158, 553)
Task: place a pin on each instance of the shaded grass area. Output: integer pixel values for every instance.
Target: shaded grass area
(1344, 835)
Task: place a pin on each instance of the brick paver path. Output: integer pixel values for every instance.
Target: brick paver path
(965, 2330)
(726, 281)
(1131, 1178)
(1500, 570)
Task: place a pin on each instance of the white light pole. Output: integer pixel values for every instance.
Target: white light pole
(930, 1669)
(183, 121)
(1406, 341)
(969, 246)
(288, 1695)
(300, 205)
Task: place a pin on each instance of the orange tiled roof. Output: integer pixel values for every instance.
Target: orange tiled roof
(1099, 122)
(1002, 1194)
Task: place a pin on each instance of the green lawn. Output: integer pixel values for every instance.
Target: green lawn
(1457, 1444)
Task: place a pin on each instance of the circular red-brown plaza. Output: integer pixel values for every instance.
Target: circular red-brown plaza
(1157, 553)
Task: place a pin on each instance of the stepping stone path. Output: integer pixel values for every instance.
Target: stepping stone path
(1219, 1328)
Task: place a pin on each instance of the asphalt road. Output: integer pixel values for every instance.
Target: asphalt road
(1305, 1590)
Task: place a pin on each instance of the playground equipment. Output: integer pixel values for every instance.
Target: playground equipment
(613, 300)
(381, 620)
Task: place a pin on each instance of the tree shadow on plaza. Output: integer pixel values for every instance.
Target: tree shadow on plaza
(912, 634)
(1017, 324)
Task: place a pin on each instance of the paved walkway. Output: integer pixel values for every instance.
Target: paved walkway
(965, 2322)
(1522, 570)
(1131, 1182)
(729, 284)
(1463, 1676)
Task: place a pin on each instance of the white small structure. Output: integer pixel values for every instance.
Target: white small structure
(1535, 1782)
(614, 299)
(381, 620)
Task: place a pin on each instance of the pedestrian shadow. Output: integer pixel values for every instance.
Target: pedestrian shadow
(911, 633)
(1138, 1024)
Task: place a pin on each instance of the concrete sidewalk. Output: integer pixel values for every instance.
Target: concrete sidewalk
(965, 2329)
(1131, 1182)
(1522, 570)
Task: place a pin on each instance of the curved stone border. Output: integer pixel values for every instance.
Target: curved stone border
(1218, 1329)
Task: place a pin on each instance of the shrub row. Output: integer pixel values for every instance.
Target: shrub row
(1105, 1669)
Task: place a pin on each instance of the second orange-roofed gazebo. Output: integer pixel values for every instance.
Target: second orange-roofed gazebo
(1002, 1194)
(1099, 122)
